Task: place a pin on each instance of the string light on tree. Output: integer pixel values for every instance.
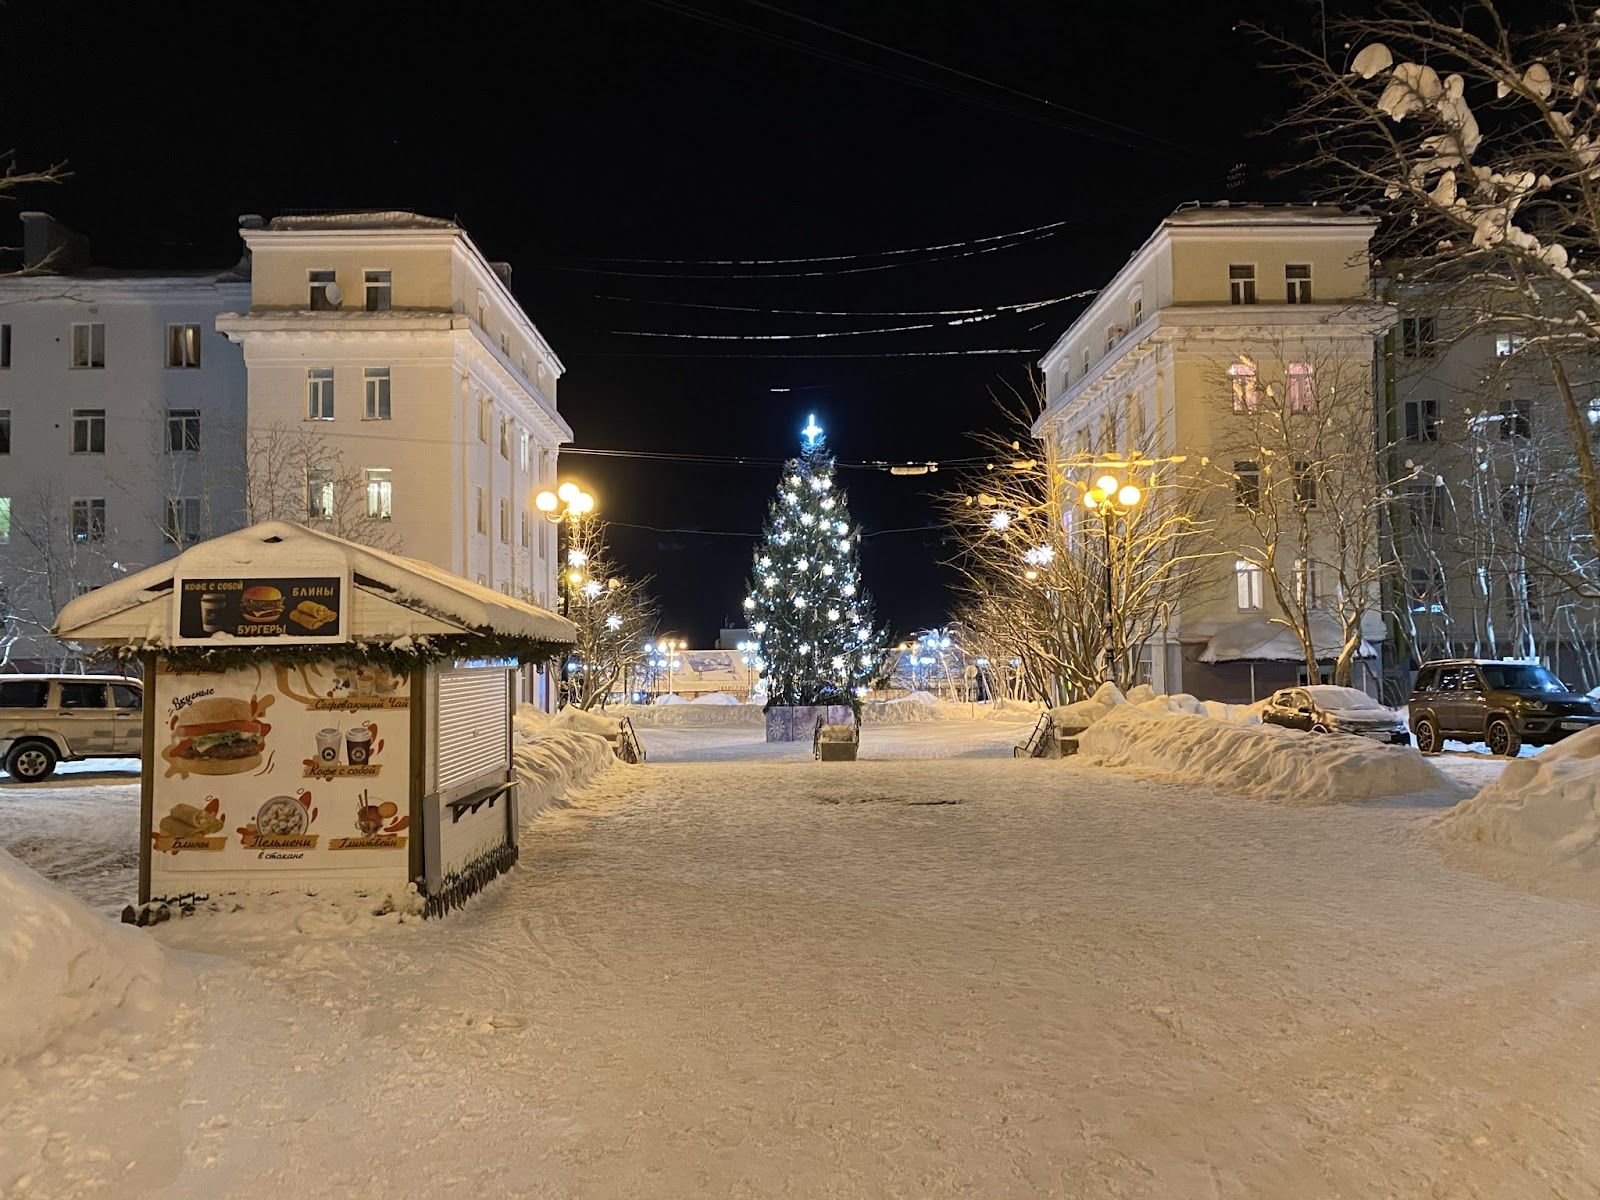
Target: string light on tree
(810, 613)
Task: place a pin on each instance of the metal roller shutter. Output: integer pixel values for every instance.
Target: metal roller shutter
(472, 720)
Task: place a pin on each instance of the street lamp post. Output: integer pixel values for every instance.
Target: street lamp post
(565, 506)
(1111, 500)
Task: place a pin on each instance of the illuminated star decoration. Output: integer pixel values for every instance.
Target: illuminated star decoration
(812, 432)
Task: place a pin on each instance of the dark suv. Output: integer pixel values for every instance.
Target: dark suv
(1502, 704)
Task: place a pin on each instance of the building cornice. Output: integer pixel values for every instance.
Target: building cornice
(110, 288)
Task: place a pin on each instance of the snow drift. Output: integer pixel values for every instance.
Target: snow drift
(554, 756)
(1546, 807)
(62, 966)
(1107, 699)
(1253, 760)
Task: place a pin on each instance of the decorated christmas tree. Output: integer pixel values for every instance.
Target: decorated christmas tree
(807, 607)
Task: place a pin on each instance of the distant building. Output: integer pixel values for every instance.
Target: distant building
(1214, 288)
(122, 415)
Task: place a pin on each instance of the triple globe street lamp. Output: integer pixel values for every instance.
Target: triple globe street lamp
(1111, 499)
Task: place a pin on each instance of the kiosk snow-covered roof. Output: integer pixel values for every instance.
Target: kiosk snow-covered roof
(396, 604)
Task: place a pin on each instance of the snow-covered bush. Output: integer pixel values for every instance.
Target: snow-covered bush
(1253, 760)
(62, 966)
(1546, 807)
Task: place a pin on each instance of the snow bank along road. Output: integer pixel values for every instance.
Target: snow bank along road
(971, 977)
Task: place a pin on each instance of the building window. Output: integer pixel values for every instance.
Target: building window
(485, 411)
(1516, 419)
(89, 346)
(88, 521)
(1427, 589)
(1242, 374)
(483, 512)
(5, 431)
(1507, 344)
(524, 453)
(505, 438)
(1250, 583)
(1302, 388)
(1422, 419)
(1247, 484)
(380, 291)
(319, 494)
(1422, 502)
(505, 344)
(1136, 311)
(183, 430)
(505, 521)
(1307, 583)
(183, 345)
(376, 382)
(319, 394)
(1592, 412)
(1085, 362)
(88, 431)
(527, 529)
(5, 519)
(1305, 484)
(5, 347)
(1297, 282)
(324, 291)
(182, 523)
(1419, 336)
(380, 492)
(1241, 283)
(1513, 503)
(1112, 333)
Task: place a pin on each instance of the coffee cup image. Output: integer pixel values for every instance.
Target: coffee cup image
(328, 746)
(213, 611)
(358, 744)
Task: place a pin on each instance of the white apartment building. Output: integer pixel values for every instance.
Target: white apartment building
(1213, 289)
(390, 341)
(121, 426)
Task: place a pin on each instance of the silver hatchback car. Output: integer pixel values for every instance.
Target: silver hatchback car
(47, 719)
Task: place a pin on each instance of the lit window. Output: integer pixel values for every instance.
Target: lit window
(183, 430)
(380, 492)
(88, 520)
(324, 291)
(380, 291)
(319, 494)
(1250, 583)
(1297, 282)
(319, 394)
(1422, 419)
(1591, 411)
(524, 455)
(1243, 377)
(1427, 589)
(1241, 283)
(376, 382)
(1507, 344)
(89, 346)
(1302, 388)
(88, 431)
(5, 519)
(182, 524)
(183, 345)
(1247, 484)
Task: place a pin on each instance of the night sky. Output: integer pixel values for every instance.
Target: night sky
(569, 138)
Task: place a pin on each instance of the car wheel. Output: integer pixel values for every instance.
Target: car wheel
(1427, 734)
(1319, 728)
(1502, 739)
(31, 761)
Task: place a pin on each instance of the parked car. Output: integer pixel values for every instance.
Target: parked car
(1324, 708)
(47, 719)
(1505, 705)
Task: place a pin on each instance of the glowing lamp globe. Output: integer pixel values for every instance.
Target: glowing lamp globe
(1128, 496)
(1092, 498)
(546, 502)
(583, 503)
(567, 491)
(1107, 485)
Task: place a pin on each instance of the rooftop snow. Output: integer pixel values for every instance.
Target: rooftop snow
(362, 219)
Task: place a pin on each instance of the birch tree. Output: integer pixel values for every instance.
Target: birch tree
(612, 612)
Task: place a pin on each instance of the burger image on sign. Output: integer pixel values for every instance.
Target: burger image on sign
(261, 605)
(217, 735)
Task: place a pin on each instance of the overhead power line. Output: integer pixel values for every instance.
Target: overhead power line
(1024, 306)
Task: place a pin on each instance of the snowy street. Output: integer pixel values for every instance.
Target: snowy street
(974, 976)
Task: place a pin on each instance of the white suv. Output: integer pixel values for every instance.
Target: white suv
(46, 719)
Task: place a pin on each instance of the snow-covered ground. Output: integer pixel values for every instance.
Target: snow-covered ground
(938, 971)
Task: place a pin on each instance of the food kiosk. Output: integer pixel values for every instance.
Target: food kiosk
(319, 716)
